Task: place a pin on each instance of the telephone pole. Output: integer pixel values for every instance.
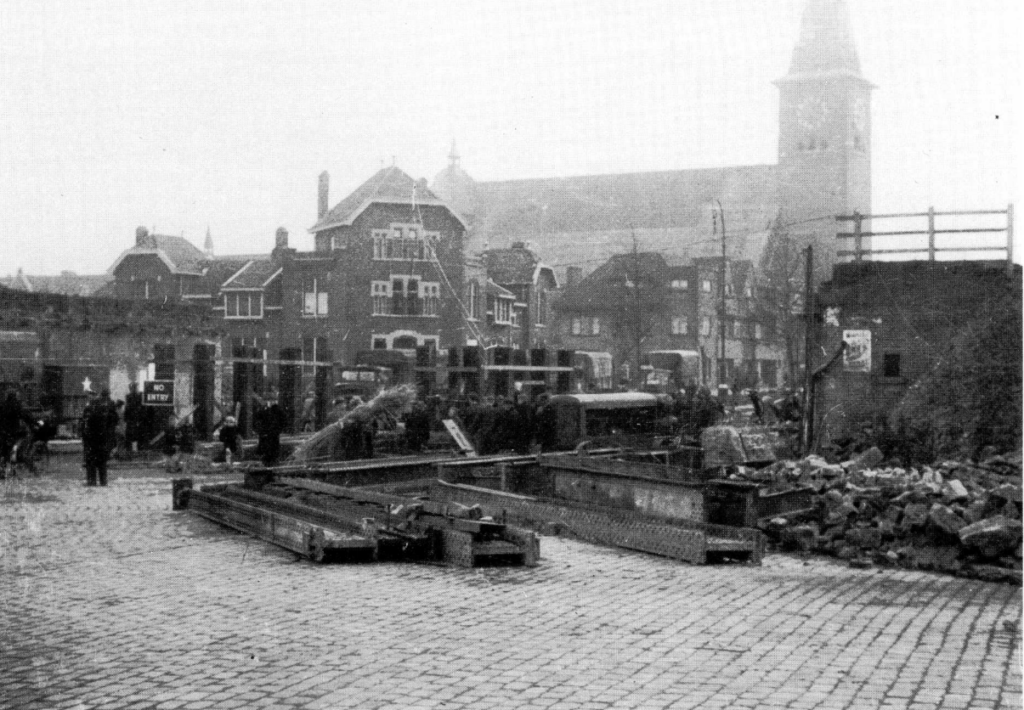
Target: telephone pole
(807, 430)
(721, 302)
(639, 311)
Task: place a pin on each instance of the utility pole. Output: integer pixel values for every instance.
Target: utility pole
(808, 414)
(721, 304)
(638, 321)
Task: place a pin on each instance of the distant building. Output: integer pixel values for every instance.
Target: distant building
(67, 283)
(637, 303)
(823, 170)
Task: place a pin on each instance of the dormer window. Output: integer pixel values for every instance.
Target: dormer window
(243, 305)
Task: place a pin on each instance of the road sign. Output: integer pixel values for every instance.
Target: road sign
(158, 393)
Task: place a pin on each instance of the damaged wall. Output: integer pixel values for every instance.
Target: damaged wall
(909, 323)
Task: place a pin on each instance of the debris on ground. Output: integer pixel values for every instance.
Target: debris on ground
(957, 517)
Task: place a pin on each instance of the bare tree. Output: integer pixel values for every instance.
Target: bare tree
(779, 302)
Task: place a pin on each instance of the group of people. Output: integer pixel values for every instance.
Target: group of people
(500, 423)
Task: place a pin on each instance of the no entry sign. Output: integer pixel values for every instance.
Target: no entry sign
(158, 393)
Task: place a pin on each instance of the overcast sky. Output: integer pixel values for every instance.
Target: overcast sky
(182, 115)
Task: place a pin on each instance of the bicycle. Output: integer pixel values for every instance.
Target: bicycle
(31, 453)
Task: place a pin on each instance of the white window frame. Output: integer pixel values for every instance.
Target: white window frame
(403, 242)
(380, 298)
(314, 302)
(705, 326)
(502, 312)
(705, 285)
(472, 299)
(680, 325)
(681, 284)
(430, 297)
(250, 297)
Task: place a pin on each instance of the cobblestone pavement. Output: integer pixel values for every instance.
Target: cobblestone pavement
(109, 599)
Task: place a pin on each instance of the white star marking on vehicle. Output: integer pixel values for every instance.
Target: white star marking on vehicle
(86, 385)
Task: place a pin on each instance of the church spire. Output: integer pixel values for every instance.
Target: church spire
(453, 156)
(208, 244)
(826, 46)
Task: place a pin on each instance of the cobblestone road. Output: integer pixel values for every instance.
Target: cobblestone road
(108, 599)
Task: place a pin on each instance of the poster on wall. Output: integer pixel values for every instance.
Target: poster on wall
(857, 356)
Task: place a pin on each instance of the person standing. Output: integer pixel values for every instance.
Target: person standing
(268, 422)
(11, 417)
(99, 424)
(133, 412)
(229, 437)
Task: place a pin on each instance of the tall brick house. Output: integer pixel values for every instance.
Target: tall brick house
(399, 268)
(520, 271)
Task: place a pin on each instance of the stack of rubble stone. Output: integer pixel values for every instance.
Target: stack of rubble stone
(954, 517)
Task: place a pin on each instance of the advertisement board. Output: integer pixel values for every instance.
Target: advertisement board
(857, 356)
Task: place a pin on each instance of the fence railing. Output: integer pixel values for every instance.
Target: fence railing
(868, 244)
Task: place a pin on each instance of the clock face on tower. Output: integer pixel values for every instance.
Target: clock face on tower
(810, 112)
(860, 113)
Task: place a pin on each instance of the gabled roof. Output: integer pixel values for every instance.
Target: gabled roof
(256, 274)
(67, 283)
(606, 286)
(179, 254)
(493, 289)
(517, 265)
(389, 185)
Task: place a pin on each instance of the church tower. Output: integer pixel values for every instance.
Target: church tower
(824, 133)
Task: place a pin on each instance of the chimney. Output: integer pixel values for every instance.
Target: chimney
(573, 275)
(141, 234)
(281, 238)
(323, 194)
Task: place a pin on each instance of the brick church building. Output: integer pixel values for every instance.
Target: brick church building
(823, 170)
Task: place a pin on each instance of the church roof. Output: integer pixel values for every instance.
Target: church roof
(387, 185)
(590, 218)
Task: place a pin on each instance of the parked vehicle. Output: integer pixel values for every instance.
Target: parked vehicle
(668, 371)
(615, 419)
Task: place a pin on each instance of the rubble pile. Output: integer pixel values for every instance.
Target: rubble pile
(955, 517)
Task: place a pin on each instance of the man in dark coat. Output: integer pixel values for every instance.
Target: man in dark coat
(12, 417)
(132, 419)
(544, 423)
(269, 422)
(417, 426)
(99, 424)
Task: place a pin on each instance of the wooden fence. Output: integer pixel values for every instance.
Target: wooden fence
(865, 248)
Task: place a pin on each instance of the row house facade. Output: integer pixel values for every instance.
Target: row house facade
(637, 303)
